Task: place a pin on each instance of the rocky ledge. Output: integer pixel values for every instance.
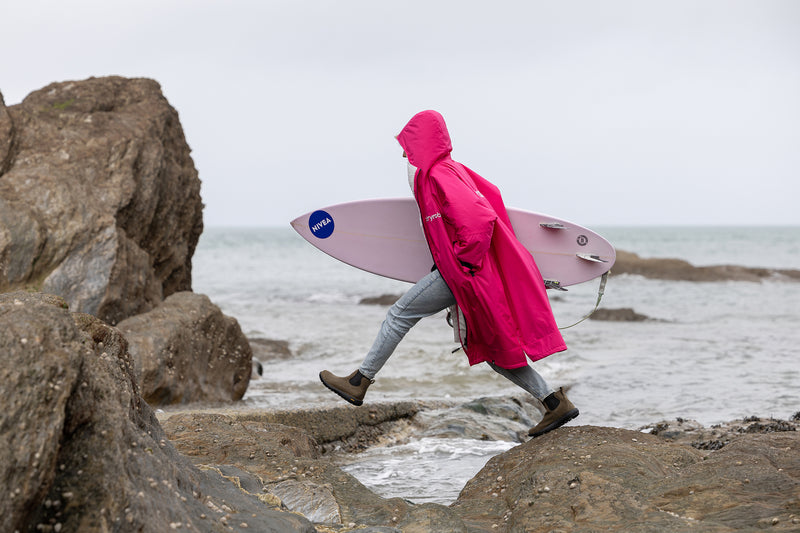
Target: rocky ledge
(84, 452)
(581, 478)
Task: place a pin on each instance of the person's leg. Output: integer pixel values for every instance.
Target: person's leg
(427, 297)
(526, 378)
(558, 409)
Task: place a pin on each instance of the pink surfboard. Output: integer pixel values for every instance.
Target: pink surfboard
(384, 236)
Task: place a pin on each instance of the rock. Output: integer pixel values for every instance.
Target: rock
(506, 419)
(604, 479)
(84, 452)
(266, 349)
(99, 197)
(315, 502)
(383, 299)
(26, 297)
(625, 314)
(342, 427)
(258, 370)
(187, 350)
(691, 433)
(680, 270)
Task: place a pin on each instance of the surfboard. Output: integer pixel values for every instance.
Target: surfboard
(384, 236)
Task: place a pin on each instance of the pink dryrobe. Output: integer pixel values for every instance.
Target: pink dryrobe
(493, 277)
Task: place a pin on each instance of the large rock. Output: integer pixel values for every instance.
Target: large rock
(606, 479)
(187, 350)
(99, 197)
(83, 452)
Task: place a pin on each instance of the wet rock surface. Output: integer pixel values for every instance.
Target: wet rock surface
(507, 419)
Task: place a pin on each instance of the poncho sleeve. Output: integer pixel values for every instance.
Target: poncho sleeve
(471, 218)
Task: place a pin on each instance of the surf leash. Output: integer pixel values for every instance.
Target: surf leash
(600, 293)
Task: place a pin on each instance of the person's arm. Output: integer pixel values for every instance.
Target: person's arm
(472, 218)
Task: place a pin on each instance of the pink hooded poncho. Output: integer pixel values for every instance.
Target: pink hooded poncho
(493, 277)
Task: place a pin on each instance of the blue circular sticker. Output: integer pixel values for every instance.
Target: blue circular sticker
(321, 224)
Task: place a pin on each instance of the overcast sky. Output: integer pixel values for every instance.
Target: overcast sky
(602, 112)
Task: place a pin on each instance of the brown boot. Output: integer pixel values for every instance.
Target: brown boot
(352, 388)
(559, 411)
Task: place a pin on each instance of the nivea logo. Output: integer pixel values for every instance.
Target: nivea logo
(321, 224)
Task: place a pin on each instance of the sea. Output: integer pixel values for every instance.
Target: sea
(710, 352)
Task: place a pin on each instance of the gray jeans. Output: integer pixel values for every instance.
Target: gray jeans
(427, 297)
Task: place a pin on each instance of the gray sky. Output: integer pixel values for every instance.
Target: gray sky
(602, 112)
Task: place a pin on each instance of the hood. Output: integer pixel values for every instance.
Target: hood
(425, 139)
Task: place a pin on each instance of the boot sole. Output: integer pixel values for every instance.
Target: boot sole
(348, 397)
(571, 414)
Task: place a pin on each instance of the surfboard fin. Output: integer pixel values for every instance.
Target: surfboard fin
(552, 225)
(591, 257)
(554, 284)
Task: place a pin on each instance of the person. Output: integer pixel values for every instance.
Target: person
(480, 266)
